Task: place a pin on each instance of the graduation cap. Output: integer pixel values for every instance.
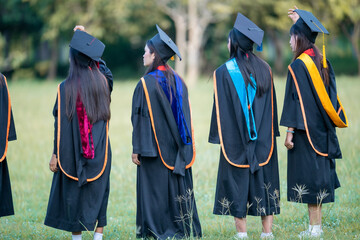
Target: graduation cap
(249, 29)
(311, 21)
(310, 26)
(164, 46)
(87, 45)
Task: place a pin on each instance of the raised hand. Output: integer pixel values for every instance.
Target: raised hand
(293, 15)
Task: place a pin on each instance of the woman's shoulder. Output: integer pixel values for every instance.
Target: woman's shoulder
(221, 69)
(62, 84)
(297, 64)
(329, 65)
(266, 64)
(148, 77)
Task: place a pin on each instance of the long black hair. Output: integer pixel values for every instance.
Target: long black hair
(169, 72)
(241, 48)
(86, 82)
(302, 43)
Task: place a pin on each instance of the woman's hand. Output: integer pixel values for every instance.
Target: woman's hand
(288, 140)
(53, 163)
(293, 15)
(135, 159)
(79, 27)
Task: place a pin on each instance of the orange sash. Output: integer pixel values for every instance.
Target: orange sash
(58, 145)
(220, 132)
(153, 128)
(322, 94)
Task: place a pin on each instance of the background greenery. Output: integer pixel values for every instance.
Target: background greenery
(34, 34)
(34, 38)
(28, 159)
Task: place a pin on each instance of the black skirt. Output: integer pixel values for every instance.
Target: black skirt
(240, 193)
(165, 202)
(311, 178)
(6, 202)
(73, 208)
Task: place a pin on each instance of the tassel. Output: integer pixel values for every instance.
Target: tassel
(259, 48)
(324, 54)
(172, 58)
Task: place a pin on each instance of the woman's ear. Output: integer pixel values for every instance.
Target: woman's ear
(153, 56)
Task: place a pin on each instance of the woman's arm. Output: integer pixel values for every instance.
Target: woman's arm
(53, 160)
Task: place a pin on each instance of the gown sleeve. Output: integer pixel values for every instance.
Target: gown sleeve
(4, 107)
(55, 114)
(213, 134)
(291, 114)
(143, 140)
(107, 73)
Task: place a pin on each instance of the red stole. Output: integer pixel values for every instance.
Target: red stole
(85, 130)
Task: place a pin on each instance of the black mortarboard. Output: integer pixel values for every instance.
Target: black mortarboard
(87, 44)
(308, 25)
(249, 29)
(311, 21)
(164, 46)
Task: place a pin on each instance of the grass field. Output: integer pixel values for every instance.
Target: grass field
(28, 159)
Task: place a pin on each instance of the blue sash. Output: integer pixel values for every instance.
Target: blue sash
(176, 104)
(245, 94)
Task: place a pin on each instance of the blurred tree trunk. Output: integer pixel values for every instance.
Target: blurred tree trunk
(7, 51)
(177, 12)
(54, 59)
(279, 60)
(354, 38)
(193, 60)
(180, 25)
(199, 19)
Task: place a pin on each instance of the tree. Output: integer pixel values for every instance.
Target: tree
(105, 19)
(191, 21)
(18, 28)
(347, 15)
(271, 16)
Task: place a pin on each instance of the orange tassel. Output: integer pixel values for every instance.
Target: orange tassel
(172, 58)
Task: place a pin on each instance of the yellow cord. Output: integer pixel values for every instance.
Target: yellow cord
(324, 54)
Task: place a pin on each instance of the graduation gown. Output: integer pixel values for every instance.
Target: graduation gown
(80, 188)
(248, 175)
(165, 195)
(306, 168)
(7, 133)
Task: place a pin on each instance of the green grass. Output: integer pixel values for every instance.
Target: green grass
(28, 159)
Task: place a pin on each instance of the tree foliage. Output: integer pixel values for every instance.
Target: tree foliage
(34, 33)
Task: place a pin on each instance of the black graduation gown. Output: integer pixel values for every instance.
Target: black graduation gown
(160, 212)
(306, 168)
(79, 205)
(252, 190)
(7, 133)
